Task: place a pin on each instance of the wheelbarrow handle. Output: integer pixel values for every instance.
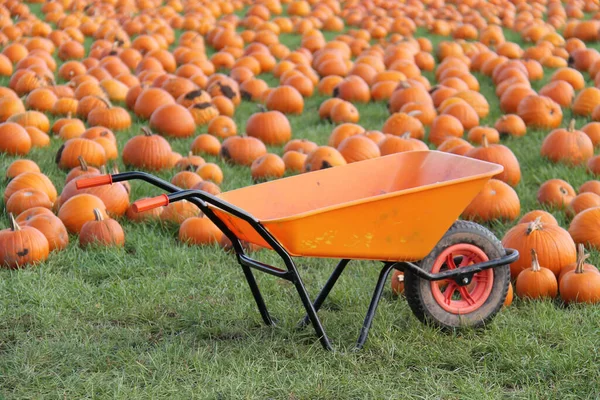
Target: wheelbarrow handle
(94, 181)
(150, 203)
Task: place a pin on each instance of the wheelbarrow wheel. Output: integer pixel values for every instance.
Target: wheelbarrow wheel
(447, 305)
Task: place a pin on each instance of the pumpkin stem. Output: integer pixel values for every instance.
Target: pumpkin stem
(484, 142)
(83, 165)
(414, 113)
(146, 131)
(261, 108)
(104, 100)
(535, 225)
(13, 223)
(405, 135)
(535, 263)
(69, 115)
(98, 215)
(103, 170)
(571, 126)
(581, 257)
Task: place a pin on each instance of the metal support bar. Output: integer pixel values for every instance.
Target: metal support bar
(364, 332)
(326, 289)
(278, 272)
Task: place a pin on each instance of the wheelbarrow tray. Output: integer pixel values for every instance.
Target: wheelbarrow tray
(392, 208)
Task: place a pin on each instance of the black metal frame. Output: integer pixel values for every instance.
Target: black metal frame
(202, 200)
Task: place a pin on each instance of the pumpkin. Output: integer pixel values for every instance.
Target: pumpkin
(31, 180)
(585, 229)
(68, 155)
(173, 120)
(242, 150)
(31, 213)
(179, 211)
(462, 111)
(24, 199)
(445, 126)
(38, 138)
(580, 285)
(498, 154)
(509, 296)
(477, 133)
(344, 112)
(101, 231)
(586, 101)
(590, 186)
(271, 127)
(203, 113)
(20, 246)
(199, 231)
(52, 228)
(397, 144)
(358, 148)
(111, 117)
(222, 127)
(559, 91)
(323, 157)
(301, 145)
(206, 144)
(14, 139)
(540, 112)
(208, 187)
(20, 166)
(544, 216)
(568, 146)
(536, 282)
(285, 99)
(398, 282)
(497, 200)
(78, 210)
(581, 257)
(185, 179)
(149, 100)
(353, 89)
(400, 123)
(554, 245)
(189, 163)
(210, 172)
(510, 125)
(267, 166)
(555, 193)
(294, 160)
(115, 197)
(147, 151)
(583, 201)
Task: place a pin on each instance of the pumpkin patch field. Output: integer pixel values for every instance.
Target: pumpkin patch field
(100, 301)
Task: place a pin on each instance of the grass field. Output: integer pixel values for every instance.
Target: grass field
(159, 319)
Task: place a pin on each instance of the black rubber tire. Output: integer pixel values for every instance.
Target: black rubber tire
(418, 291)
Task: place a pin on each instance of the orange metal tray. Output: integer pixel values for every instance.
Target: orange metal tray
(392, 208)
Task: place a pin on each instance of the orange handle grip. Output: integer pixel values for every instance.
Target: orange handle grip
(94, 181)
(150, 203)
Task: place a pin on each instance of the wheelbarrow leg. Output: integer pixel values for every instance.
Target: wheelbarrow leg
(383, 275)
(326, 289)
(310, 309)
(262, 308)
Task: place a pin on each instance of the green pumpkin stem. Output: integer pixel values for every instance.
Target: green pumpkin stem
(581, 257)
(98, 215)
(13, 223)
(535, 263)
(484, 142)
(82, 164)
(146, 131)
(535, 225)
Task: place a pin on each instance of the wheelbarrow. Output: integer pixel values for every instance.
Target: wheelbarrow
(399, 209)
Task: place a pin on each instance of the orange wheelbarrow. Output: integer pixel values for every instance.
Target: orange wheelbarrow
(400, 209)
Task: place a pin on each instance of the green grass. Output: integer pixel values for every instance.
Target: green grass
(159, 319)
